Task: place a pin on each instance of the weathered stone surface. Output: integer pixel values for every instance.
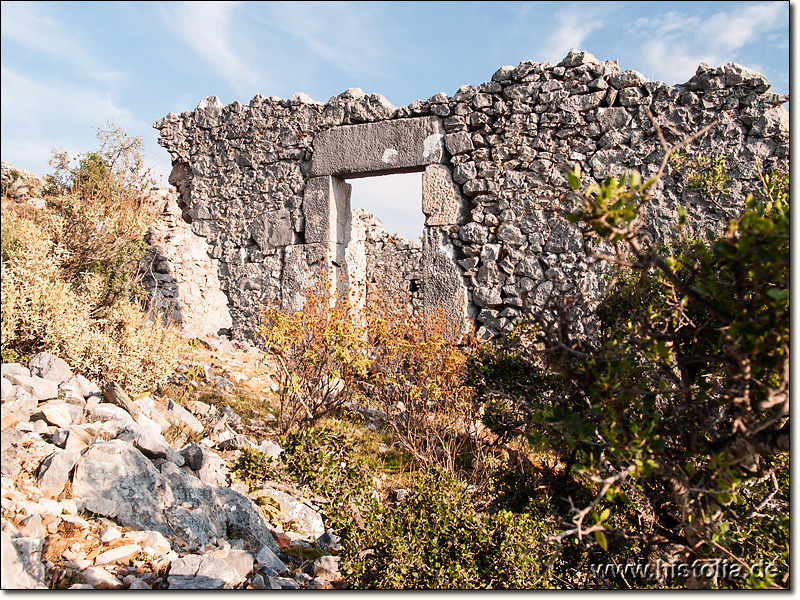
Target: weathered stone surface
(41, 389)
(114, 394)
(271, 231)
(378, 148)
(445, 292)
(241, 560)
(55, 470)
(6, 390)
(218, 512)
(266, 557)
(195, 572)
(49, 367)
(306, 269)
(184, 417)
(326, 208)
(327, 567)
(249, 176)
(107, 412)
(151, 443)
(29, 552)
(21, 402)
(442, 202)
(59, 413)
(118, 554)
(8, 369)
(116, 480)
(100, 579)
(14, 575)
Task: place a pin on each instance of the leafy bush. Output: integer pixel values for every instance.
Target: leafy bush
(674, 406)
(321, 353)
(9, 239)
(64, 287)
(417, 377)
(435, 538)
(252, 467)
(102, 212)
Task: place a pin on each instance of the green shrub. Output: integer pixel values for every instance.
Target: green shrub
(436, 539)
(9, 240)
(67, 281)
(253, 467)
(674, 408)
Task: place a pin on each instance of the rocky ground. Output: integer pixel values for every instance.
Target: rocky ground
(104, 491)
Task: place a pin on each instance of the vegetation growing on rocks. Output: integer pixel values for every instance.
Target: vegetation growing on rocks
(69, 269)
(653, 433)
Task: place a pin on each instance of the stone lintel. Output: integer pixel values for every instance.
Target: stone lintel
(379, 148)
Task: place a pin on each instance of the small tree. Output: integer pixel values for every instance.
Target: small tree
(672, 405)
(103, 210)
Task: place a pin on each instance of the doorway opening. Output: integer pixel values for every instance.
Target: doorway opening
(395, 200)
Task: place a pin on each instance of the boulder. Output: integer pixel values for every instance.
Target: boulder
(41, 389)
(194, 572)
(14, 574)
(55, 470)
(50, 367)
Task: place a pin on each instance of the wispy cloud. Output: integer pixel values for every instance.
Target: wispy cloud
(675, 43)
(33, 111)
(350, 36)
(31, 26)
(206, 27)
(573, 27)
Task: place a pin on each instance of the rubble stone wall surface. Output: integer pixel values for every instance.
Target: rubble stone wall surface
(264, 184)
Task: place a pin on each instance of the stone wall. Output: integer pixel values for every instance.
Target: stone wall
(264, 184)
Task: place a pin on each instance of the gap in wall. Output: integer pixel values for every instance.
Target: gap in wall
(396, 200)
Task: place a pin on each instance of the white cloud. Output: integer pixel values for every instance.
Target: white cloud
(40, 116)
(731, 31)
(394, 199)
(28, 24)
(675, 43)
(206, 27)
(349, 35)
(574, 26)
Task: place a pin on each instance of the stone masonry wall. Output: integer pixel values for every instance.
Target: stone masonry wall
(264, 184)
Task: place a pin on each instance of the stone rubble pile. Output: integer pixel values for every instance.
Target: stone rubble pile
(94, 495)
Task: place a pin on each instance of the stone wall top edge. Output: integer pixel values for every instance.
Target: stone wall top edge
(731, 73)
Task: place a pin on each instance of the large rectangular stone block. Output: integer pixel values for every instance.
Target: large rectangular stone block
(379, 148)
(326, 208)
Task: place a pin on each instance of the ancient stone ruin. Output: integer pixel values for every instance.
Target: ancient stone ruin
(263, 204)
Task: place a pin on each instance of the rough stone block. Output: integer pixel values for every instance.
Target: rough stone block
(306, 270)
(50, 367)
(326, 208)
(442, 202)
(378, 148)
(41, 389)
(445, 292)
(272, 230)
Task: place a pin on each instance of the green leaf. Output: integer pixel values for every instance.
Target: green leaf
(777, 293)
(574, 178)
(601, 539)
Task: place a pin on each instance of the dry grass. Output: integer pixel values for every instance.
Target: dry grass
(43, 311)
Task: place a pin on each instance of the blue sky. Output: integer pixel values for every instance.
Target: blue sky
(70, 67)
